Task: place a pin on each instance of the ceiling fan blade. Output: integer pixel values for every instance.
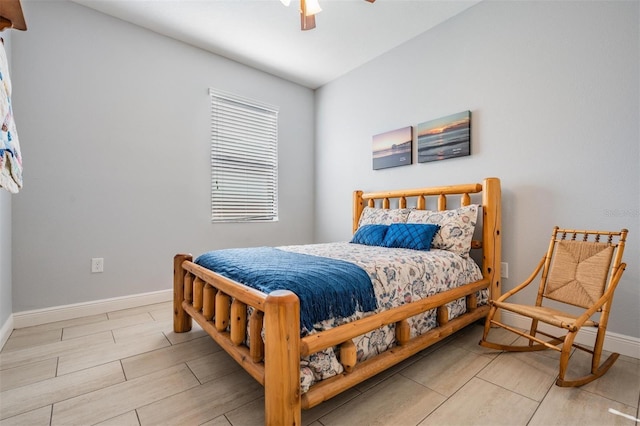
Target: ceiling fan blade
(307, 22)
(371, 1)
(11, 15)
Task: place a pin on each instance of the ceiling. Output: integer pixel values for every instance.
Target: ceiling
(266, 35)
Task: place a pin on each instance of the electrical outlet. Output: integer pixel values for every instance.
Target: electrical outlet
(504, 270)
(97, 265)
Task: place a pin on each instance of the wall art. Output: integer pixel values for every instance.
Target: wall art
(392, 149)
(446, 137)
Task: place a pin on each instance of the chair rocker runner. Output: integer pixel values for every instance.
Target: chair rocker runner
(582, 271)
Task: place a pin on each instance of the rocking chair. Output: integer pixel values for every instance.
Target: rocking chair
(575, 272)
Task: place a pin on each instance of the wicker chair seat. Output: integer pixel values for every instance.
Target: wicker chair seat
(545, 314)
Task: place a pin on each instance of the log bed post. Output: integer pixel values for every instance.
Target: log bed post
(491, 235)
(181, 321)
(282, 359)
(358, 206)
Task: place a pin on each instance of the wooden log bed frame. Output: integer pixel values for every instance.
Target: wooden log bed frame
(219, 305)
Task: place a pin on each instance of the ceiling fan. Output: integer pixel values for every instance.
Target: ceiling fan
(308, 11)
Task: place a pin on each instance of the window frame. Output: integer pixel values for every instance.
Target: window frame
(244, 159)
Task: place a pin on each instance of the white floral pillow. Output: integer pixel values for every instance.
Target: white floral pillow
(456, 227)
(375, 216)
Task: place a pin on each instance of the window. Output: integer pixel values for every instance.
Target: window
(244, 159)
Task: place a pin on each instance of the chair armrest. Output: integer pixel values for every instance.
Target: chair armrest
(524, 284)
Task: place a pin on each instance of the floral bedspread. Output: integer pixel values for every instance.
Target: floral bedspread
(398, 276)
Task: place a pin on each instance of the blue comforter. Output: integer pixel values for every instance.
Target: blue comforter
(327, 288)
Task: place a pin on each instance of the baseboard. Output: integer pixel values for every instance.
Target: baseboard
(613, 342)
(5, 331)
(77, 310)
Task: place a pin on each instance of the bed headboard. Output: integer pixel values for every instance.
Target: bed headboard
(489, 189)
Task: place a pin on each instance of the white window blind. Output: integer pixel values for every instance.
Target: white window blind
(244, 159)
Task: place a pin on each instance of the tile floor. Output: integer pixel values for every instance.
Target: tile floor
(128, 368)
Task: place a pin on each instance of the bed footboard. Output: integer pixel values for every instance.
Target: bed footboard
(221, 307)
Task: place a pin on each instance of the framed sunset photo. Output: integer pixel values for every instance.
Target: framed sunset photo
(392, 149)
(446, 137)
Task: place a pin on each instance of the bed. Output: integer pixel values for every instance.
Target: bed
(302, 366)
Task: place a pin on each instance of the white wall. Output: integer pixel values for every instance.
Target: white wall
(114, 128)
(553, 88)
(6, 306)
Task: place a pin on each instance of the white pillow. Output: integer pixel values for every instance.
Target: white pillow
(456, 227)
(375, 216)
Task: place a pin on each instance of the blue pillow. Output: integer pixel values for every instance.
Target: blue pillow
(415, 236)
(370, 235)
